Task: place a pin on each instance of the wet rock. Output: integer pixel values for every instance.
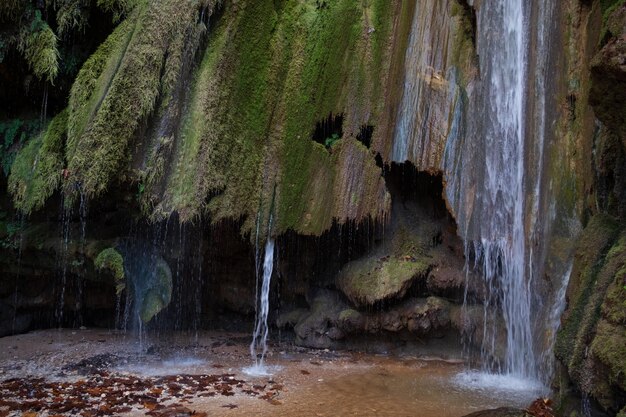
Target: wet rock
(291, 317)
(397, 263)
(318, 328)
(500, 412)
(330, 320)
(19, 324)
(351, 320)
(94, 364)
(591, 342)
(608, 83)
(368, 281)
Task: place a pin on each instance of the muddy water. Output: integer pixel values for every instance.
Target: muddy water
(313, 383)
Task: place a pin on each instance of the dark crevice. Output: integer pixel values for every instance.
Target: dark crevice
(407, 183)
(329, 130)
(379, 161)
(365, 135)
(470, 13)
(571, 105)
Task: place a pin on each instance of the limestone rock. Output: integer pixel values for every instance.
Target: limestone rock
(330, 320)
(368, 281)
(391, 268)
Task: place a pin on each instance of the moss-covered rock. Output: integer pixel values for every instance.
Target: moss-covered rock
(368, 281)
(112, 261)
(592, 339)
(37, 170)
(152, 292)
(609, 346)
(120, 85)
(391, 268)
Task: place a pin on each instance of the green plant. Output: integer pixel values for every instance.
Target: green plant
(12, 231)
(36, 171)
(330, 141)
(112, 261)
(13, 134)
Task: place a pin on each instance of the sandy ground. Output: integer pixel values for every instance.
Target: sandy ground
(183, 374)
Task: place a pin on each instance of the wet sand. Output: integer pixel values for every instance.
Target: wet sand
(303, 382)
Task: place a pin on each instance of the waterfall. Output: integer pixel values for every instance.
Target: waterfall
(261, 329)
(501, 249)
(494, 165)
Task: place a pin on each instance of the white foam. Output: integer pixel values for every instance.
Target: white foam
(259, 370)
(509, 384)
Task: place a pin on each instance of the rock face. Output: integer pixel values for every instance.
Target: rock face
(330, 320)
(608, 75)
(592, 340)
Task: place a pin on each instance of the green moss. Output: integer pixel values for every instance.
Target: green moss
(241, 128)
(368, 281)
(40, 50)
(349, 315)
(614, 306)
(609, 346)
(463, 47)
(594, 319)
(112, 261)
(158, 294)
(36, 172)
(585, 298)
(13, 135)
(92, 82)
(608, 7)
(152, 304)
(278, 68)
(132, 71)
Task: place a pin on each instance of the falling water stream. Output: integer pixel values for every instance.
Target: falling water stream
(261, 329)
(502, 249)
(495, 185)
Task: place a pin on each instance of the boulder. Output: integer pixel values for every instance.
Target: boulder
(330, 320)
(371, 280)
(396, 264)
(318, 328)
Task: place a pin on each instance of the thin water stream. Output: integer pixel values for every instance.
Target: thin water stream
(258, 347)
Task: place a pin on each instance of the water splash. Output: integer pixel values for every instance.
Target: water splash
(261, 329)
(507, 385)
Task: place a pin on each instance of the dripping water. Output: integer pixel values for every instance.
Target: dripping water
(79, 276)
(18, 273)
(66, 219)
